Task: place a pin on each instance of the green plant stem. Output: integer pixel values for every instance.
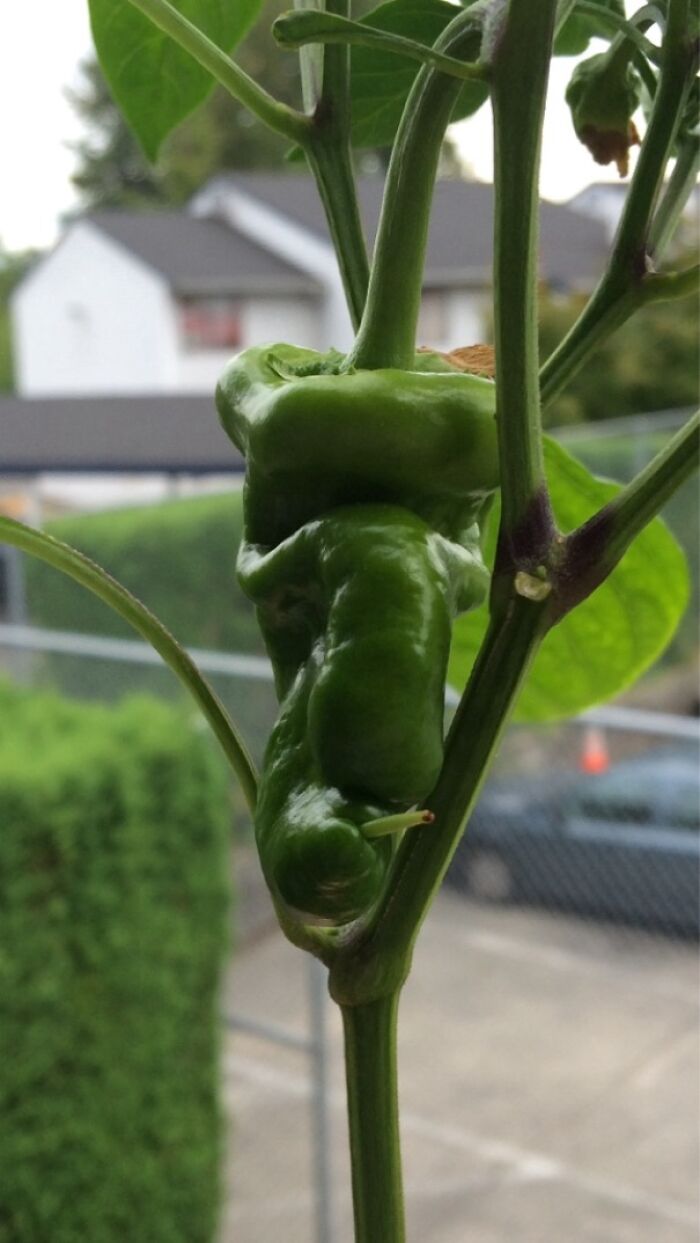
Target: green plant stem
(329, 154)
(375, 959)
(78, 567)
(643, 498)
(620, 25)
(520, 72)
(617, 294)
(591, 553)
(680, 185)
(296, 29)
(387, 333)
(277, 116)
(667, 286)
(371, 1077)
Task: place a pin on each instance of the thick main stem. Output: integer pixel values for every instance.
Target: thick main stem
(373, 1114)
(520, 74)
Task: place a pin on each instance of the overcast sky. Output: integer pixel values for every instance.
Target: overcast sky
(39, 54)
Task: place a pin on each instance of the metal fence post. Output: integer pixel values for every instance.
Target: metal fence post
(320, 1101)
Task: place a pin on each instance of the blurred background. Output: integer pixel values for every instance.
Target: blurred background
(549, 1032)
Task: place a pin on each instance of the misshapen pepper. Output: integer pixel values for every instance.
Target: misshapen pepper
(362, 497)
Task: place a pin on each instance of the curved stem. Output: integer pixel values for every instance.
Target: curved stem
(329, 155)
(304, 26)
(62, 557)
(617, 294)
(371, 1078)
(520, 73)
(621, 25)
(386, 337)
(271, 112)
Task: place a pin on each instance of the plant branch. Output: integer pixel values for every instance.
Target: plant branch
(680, 186)
(667, 286)
(66, 559)
(617, 294)
(371, 1077)
(374, 960)
(591, 553)
(329, 154)
(295, 29)
(277, 116)
(520, 71)
(387, 333)
(621, 25)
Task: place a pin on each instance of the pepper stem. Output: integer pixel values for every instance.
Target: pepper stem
(396, 824)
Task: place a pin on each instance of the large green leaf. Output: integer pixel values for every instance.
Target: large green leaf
(608, 641)
(381, 81)
(154, 81)
(580, 28)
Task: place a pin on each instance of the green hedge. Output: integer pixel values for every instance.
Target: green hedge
(177, 556)
(113, 927)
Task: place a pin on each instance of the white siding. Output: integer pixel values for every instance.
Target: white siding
(467, 315)
(92, 318)
(296, 320)
(453, 318)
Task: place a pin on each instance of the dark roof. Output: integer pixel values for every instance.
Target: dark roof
(151, 433)
(199, 256)
(460, 244)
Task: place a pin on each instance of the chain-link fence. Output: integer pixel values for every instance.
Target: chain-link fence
(566, 921)
(549, 1031)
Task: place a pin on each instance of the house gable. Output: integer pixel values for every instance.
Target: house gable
(93, 317)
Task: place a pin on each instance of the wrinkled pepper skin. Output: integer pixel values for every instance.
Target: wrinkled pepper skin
(361, 545)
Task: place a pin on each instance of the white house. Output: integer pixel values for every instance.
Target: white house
(154, 302)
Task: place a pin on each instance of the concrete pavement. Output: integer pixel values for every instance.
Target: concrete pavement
(549, 1086)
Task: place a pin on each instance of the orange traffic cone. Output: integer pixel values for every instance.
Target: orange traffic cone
(595, 757)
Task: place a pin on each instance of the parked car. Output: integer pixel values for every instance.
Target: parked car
(622, 844)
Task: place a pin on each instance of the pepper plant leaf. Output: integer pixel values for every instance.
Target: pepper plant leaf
(380, 81)
(604, 645)
(154, 81)
(580, 28)
(78, 567)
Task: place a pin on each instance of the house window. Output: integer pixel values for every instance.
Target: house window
(210, 324)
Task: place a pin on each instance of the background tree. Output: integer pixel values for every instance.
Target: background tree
(651, 363)
(112, 170)
(13, 266)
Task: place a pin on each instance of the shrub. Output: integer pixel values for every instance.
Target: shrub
(178, 557)
(113, 925)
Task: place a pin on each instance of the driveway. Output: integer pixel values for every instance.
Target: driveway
(549, 1086)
